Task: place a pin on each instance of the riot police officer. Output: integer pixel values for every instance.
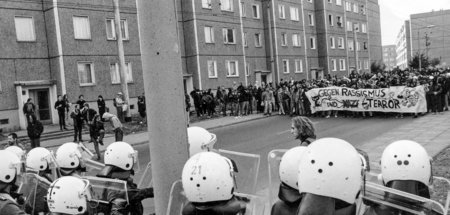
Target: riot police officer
(68, 195)
(208, 182)
(288, 194)
(120, 159)
(10, 170)
(69, 159)
(199, 140)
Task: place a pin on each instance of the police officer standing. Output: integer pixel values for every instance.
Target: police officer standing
(9, 171)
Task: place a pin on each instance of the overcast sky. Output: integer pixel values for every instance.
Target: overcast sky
(395, 12)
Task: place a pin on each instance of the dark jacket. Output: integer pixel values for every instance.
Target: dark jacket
(29, 108)
(35, 129)
(60, 106)
(101, 106)
(77, 118)
(141, 104)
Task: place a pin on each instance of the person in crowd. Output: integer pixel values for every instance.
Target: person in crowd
(120, 161)
(13, 140)
(280, 96)
(9, 175)
(435, 96)
(196, 98)
(81, 101)
(303, 129)
(60, 106)
(67, 104)
(34, 131)
(29, 109)
(267, 100)
(115, 123)
(78, 119)
(101, 105)
(141, 107)
(233, 98)
(119, 103)
(222, 100)
(187, 103)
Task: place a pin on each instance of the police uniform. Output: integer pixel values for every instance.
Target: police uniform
(289, 201)
(234, 206)
(8, 206)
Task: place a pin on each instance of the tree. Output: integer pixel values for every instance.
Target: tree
(414, 63)
(377, 66)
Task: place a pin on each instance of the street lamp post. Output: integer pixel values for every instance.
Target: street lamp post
(418, 44)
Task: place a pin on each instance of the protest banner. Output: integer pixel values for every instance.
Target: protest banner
(394, 99)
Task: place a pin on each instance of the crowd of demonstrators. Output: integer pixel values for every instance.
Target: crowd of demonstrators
(289, 97)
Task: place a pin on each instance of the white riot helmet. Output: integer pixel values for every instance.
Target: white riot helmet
(122, 155)
(289, 166)
(16, 150)
(10, 166)
(200, 140)
(39, 159)
(208, 177)
(405, 160)
(68, 195)
(331, 167)
(68, 156)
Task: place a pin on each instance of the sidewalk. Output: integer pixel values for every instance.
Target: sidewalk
(431, 131)
(142, 138)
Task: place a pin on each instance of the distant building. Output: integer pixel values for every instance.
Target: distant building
(389, 57)
(403, 46)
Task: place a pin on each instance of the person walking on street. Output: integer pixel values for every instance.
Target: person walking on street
(303, 129)
(29, 109)
(119, 103)
(77, 117)
(115, 123)
(141, 107)
(34, 130)
(60, 106)
(101, 105)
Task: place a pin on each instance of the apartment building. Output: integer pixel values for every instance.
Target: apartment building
(63, 47)
(403, 46)
(250, 42)
(390, 56)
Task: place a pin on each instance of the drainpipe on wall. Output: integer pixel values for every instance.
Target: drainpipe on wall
(197, 54)
(59, 45)
(305, 42)
(276, 41)
(243, 47)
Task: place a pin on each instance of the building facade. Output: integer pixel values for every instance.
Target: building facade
(250, 42)
(63, 47)
(430, 35)
(403, 46)
(390, 56)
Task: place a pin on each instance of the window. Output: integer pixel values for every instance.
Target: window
(350, 45)
(363, 9)
(339, 21)
(365, 45)
(247, 69)
(243, 10)
(285, 66)
(245, 40)
(355, 8)
(313, 42)
(209, 34)
(255, 9)
(333, 65)
(81, 28)
(111, 29)
(310, 1)
(342, 64)
(348, 6)
(330, 1)
(364, 27)
(283, 39)
(349, 26)
(86, 73)
(206, 4)
(282, 11)
(115, 73)
(226, 5)
(341, 44)
(296, 40)
(356, 26)
(232, 68)
(212, 69)
(298, 66)
(332, 43)
(366, 64)
(258, 40)
(331, 19)
(228, 36)
(338, 2)
(24, 28)
(294, 14)
(311, 19)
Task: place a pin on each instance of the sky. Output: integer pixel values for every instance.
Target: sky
(394, 13)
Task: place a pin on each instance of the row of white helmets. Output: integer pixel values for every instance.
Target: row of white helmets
(328, 167)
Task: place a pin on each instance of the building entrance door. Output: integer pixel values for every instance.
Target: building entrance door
(43, 107)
